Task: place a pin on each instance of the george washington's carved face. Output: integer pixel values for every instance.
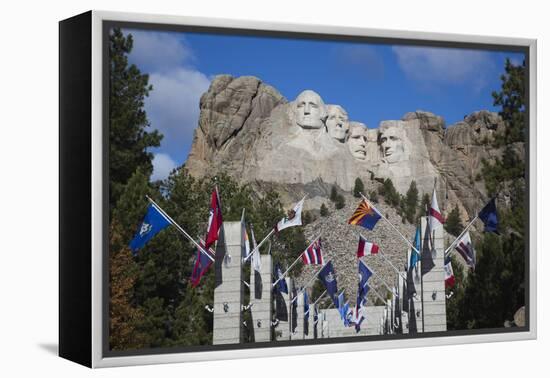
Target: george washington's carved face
(357, 140)
(337, 122)
(392, 144)
(310, 110)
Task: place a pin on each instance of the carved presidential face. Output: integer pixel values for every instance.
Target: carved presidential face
(337, 122)
(357, 140)
(310, 110)
(392, 144)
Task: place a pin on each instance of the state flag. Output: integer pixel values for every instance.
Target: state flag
(153, 222)
(449, 274)
(366, 248)
(202, 264)
(466, 250)
(489, 217)
(281, 285)
(365, 215)
(215, 219)
(328, 278)
(435, 219)
(313, 255)
(293, 218)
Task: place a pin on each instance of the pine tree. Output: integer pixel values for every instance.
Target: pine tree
(324, 210)
(511, 99)
(128, 139)
(411, 202)
(358, 188)
(453, 224)
(333, 193)
(340, 201)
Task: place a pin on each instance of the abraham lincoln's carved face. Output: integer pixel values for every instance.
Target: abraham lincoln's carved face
(392, 144)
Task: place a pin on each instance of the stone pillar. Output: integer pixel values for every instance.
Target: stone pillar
(228, 293)
(261, 308)
(403, 305)
(433, 279)
(282, 330)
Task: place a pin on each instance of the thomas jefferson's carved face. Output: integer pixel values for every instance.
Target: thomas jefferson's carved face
(310, 110)
(337, 122)
(357, 140)
(392, 144)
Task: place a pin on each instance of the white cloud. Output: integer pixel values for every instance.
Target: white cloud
(365, 58)
(162, 166)
(173, 106)
(444, 66)
(159, 51)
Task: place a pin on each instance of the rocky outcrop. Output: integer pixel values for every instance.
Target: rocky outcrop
(248, 130)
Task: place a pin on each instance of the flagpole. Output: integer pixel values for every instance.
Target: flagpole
(384, 257)
(376, 292)
(308, 283)
(295, 261)
(173, 222)
(319, 298)
(447, 251)
(392, 226)
(377, 275)
(267, 237)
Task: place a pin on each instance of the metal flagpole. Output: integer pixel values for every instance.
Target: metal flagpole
(179, 227)
(267, 237)
(392, 226)
(308, 283)
(320, 297)
(260, 244)
(376, 292)
(295, 261)
(447, 251)
(393, 266)
(377, 275)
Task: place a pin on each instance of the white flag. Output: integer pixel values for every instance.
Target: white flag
(293, 218)
(435, 218)
(256, 259)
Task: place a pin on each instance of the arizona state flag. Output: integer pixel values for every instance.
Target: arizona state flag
(365, 215)
(215, 220)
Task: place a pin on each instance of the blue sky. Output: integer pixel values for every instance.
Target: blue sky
(373, 82)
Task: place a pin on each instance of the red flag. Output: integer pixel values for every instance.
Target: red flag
(202, 263)
(366, 248)
(215, 219)
(449, 275)
(435, 218)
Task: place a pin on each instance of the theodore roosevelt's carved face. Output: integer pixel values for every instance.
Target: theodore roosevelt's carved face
(357, 140)
(392, 144)
(310, 110)
(337, 122)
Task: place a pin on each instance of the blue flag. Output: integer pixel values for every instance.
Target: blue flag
(153, 222)
(328, 278)
(415, 256)
(306, 313)
(364, 274)
(489, 216)
(281, 286)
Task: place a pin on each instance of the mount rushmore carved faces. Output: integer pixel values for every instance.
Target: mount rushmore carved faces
(392, 142)
(357, 140)
(310, 110)
(337, 122)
